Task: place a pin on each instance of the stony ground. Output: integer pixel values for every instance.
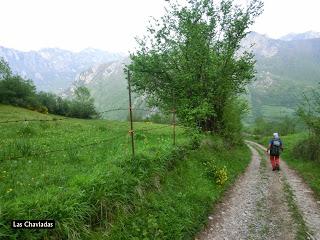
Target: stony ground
(264, 204)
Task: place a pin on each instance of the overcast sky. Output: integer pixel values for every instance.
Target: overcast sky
(112, 24)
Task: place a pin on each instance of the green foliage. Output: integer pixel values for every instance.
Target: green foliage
(309, 112)
(220, 175)
(308, 149)
(196, 138)
(139, 136)
(160, 118)
(88, 180)
(284, 126)
(17, 91)
(189, 60)
(83, 104)
(232, 116)
(179, 208)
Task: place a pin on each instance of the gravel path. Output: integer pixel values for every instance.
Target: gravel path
(304, 198)
(260, 205)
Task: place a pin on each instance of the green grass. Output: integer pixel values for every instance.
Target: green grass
(179, 207)
(309, 170)
(165, 192)
(72, 186)
(302, 229)
(14, 113)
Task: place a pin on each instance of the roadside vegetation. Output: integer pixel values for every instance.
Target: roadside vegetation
(183, 198)
(300, 135)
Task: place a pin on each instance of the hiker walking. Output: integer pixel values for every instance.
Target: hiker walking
(275, 146)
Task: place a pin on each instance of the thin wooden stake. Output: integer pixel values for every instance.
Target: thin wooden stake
(174, 126)
(101, 214)
(130, 111)
(174, 120)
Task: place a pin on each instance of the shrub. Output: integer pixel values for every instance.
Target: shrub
(218, 174)
(221, 175)
(308, 149)
(42, 109)
(195, 139)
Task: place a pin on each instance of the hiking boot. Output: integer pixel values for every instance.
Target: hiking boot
(278, 167)
(273, 169)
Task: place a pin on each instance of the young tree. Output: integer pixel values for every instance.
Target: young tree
(83, 104)
(190, 60)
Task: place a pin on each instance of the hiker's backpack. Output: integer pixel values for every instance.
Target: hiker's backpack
(275, 147)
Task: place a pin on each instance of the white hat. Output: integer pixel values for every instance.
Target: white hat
(276, 135)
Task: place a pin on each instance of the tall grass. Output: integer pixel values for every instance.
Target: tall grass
(178, 208)
(82, 189)
(100, 191)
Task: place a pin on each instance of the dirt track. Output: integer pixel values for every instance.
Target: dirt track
(264, 204)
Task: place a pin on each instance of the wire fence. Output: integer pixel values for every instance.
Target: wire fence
(131, 131)
(41, 152)
(33, 120)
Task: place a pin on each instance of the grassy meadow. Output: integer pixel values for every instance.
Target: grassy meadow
(80, 173)
(69, 185)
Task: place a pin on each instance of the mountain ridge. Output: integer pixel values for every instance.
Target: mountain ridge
(289, 67)
(284, 70)
(300, 36)
(54, 69)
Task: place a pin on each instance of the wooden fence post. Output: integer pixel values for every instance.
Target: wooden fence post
(130, 111)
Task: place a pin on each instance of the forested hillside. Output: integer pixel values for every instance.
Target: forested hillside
(285, 69)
